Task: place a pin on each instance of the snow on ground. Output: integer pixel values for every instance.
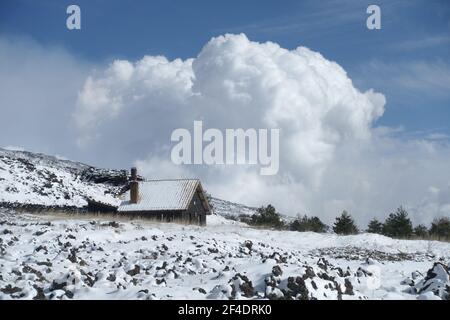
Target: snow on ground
(63, 257)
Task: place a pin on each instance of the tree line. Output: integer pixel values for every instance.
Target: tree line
(396, 225)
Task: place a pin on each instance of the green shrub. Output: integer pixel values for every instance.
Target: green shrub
(440, 228)
(375, 226)
(421, 231)
(305, 223)
(345, 224)
(268, 217)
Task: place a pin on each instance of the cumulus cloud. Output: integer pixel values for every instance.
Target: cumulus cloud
(124, 83)
(235, 83)
(331, 155)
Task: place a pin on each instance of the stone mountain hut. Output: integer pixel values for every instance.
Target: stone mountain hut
(179, 200)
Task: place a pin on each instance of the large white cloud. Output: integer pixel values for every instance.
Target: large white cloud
(236, 83)
(331, 158)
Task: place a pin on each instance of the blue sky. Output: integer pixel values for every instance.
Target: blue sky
(408, 60)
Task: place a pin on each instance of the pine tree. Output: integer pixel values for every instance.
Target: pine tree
(305, 223)
(398, 224)
(267, 216)
(375, 226)
(421, 231)
(345, 224)
(441, 228)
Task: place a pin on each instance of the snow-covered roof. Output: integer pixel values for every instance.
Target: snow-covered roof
(155, 195)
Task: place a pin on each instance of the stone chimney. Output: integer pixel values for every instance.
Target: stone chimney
(134, 186)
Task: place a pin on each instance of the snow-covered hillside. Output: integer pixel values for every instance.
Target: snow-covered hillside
(32, 180)
(236, 211)
(63, 257)
(35, 179)
(231, 210)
